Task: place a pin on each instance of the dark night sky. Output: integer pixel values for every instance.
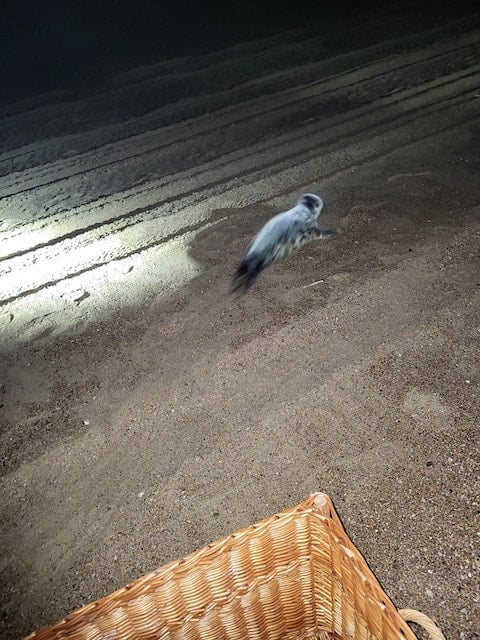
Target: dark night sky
(54, 44)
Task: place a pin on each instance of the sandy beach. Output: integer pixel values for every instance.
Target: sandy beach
(145, 412)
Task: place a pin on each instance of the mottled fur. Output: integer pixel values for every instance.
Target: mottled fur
(281, 236)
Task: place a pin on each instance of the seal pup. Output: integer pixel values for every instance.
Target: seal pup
(281, 236)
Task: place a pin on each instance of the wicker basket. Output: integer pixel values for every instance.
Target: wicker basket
(296, 575)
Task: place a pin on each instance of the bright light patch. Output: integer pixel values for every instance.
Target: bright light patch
(12, 242)
(97, 294)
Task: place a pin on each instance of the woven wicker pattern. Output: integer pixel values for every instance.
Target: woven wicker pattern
(293, 576)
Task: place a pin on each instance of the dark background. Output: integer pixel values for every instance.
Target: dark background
(53, 44)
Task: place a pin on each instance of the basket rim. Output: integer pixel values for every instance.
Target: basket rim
(317, 506)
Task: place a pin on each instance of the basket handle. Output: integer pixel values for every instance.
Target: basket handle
(411, 615)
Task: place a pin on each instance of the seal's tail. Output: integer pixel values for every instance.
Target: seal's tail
(246, 274)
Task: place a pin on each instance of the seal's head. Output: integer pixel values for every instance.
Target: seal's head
(313, 203)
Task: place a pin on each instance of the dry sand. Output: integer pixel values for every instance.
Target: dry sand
(145, 412)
